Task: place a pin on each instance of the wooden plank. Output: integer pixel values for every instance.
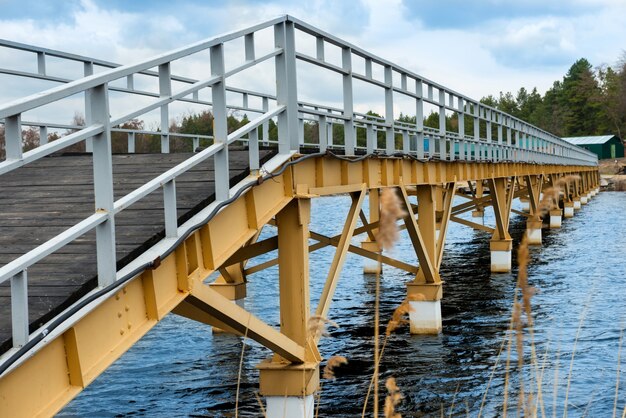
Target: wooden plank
(46, 197)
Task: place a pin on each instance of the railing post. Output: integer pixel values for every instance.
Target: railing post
(406, 145)
(169, 208)
(461, 121)
(103, 185)
(300, 128)
(165, 90)
(476, 152)
(390, 140)
(323, 132)
(442, 124)
(87, 71)
(370, 138)
(131, 142)
(220, 124)
(266, 125)
(249, 47)
(253, 151)
(43, 135)
(19, 309)
(348, 110)
(419, 119)
(13, 137)
(286, 87)
(41, 63)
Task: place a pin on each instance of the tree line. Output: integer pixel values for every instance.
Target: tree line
(586, 101)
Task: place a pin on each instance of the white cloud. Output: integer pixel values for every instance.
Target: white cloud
(497, 55)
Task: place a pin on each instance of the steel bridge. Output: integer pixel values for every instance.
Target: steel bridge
(96, 248)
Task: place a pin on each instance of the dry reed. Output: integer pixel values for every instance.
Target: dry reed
(331, 364)
(390, 211)
(393, 398)
(243, 348)
(317, 326)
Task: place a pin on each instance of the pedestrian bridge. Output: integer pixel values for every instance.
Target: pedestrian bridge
(96, 247)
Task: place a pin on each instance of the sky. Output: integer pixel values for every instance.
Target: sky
(477, 47)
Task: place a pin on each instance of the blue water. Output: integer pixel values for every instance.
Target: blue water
(180, 369)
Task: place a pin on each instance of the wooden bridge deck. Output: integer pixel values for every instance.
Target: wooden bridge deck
(48, 196)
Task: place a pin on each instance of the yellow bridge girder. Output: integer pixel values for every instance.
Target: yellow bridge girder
(68, 360)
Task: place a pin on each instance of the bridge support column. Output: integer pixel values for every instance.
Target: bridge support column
(576, 201)
(370, 244)
(534, 224)
(425, 302)
(555, 218)
(425, 292)
(502, 191)
(289, 388)
(533, 231)
(568, 209)
(501, 255)
(584, 199)
(479, 212)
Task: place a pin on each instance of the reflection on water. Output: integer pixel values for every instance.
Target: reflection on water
(180, 369)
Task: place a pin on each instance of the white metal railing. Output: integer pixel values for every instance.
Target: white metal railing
(515, 140)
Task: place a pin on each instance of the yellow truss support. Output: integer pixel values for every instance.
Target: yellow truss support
(340, 254)
(84, 346)
(423, 235)
(501, 192)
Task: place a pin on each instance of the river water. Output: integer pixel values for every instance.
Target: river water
(180, 369)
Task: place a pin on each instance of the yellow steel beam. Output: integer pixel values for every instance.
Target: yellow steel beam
(445, 220)
(520, 213)
(370, 233)
(533, 185)
(74, 354)
(501, 193)
(293, 269)
(471, 224)
(211, 302)
(340, 254)
(325, 241)
(253, 250)
(424, 248)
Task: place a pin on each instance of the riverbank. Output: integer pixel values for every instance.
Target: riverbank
(613, 172)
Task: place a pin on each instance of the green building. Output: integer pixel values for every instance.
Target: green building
(605, 146)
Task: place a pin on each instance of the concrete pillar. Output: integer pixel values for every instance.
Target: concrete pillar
(533, 232)
(289, 389)
(555, 218)
(371, 266)
(576, 203)
(425, 302)
(568, 209)
(289, 406)
(501, 255)
(584, 199)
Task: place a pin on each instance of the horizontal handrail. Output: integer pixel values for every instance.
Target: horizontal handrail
(497, 136)
(53, 244)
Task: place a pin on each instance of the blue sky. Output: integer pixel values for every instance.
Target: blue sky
(476, 47)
